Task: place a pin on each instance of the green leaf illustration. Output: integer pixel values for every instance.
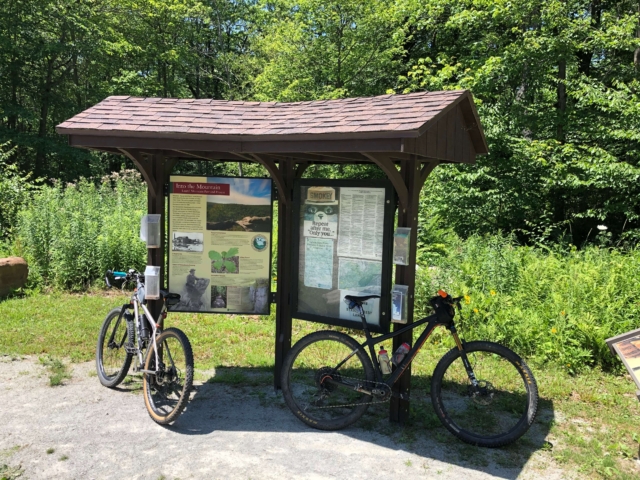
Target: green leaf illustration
(230, 266)
(224, 254)
(217, 264)
(232, 252)
(213, 255)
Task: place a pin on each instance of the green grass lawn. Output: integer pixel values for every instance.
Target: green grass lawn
(591, 420)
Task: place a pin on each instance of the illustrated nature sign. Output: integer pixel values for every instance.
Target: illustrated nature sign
(220, 248)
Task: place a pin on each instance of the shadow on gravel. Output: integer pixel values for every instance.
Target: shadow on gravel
(243, 399)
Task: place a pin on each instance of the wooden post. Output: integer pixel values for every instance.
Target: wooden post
(158, 170)
(406, 275)
(284, 269)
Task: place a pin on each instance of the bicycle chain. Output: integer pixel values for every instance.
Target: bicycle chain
(361, 403)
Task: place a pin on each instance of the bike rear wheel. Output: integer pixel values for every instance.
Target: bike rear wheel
(166, 392)
(497, 412)
(112, 359)
(310, 385)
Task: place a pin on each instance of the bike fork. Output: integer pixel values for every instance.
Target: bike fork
(463, 356)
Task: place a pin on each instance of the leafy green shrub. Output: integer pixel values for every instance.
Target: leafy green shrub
(70, 234)
(14, 191)
(552, 305)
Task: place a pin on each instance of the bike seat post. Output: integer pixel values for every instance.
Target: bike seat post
(365, 326)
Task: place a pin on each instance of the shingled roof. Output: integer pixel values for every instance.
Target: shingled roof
(390, 115)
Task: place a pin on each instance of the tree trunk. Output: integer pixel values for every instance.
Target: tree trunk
(44, 113)
(562, 98)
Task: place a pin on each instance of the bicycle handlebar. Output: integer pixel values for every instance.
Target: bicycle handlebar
(117, 275)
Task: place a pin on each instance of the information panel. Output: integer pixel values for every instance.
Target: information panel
(344, 230)
(220, 244)
(627, 347)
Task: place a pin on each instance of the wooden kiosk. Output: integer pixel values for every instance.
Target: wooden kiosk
(406, 136)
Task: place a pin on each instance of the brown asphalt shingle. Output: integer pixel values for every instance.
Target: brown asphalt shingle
(385, 113)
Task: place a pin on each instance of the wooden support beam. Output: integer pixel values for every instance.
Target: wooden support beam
(410, 172)
(286, 276)
(300, 169)
(273, 171)
(427, 168)
(159, 170)
(144, 164)
(388, 167)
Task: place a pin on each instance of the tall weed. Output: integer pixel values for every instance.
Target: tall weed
(554, 305)
(70, 234)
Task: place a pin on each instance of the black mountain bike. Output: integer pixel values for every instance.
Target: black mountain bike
(482, 392)
(164, 357)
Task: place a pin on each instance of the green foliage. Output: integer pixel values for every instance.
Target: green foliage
(318, 49)
(552, 305)
(58, 371)
(557, 92)
(71, 234)
(14, 191)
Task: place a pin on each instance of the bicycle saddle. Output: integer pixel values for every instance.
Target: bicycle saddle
(170, 298)
(360, 300)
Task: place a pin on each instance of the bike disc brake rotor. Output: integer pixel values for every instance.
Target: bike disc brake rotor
(483, 393)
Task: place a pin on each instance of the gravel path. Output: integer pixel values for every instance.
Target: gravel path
(226, 432)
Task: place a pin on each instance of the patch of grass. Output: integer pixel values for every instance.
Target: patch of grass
(10, 451)
(63, 458)
(50, 451)
(58, 371)
(587, 422)
(8, 472)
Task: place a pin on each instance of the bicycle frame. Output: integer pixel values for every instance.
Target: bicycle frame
(432, 322)
(137, 305)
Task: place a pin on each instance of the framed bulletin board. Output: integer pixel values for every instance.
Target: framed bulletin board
(343, 240)
(219, 244)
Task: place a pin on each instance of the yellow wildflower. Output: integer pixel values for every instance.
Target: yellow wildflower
(475, 310)
(467, 299)
(492, 292)
(562, 313)
(554, 331)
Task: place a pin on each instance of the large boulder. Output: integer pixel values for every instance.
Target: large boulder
(13, 274)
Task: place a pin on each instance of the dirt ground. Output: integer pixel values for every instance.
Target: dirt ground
(81, 430)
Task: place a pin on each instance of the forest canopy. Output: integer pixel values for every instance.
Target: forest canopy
(556, 84)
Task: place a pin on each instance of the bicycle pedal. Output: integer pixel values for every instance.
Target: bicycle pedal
(130, 349)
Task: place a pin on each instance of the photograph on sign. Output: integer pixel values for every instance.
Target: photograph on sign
(340, 248)
(220, 255)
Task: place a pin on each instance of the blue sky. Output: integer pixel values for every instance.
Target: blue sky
(244, 191)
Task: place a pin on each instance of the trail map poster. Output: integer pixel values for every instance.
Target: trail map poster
(220, 244)
(341, 240)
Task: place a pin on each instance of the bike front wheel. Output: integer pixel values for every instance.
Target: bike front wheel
(495, 412)
(112, 359)
(166, 392)
(319, 378)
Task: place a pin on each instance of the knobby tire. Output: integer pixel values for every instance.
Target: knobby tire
(166, 395)
(497, 414)
(306, 383)
(115, 356)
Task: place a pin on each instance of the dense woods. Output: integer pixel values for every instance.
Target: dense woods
(556, 84)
